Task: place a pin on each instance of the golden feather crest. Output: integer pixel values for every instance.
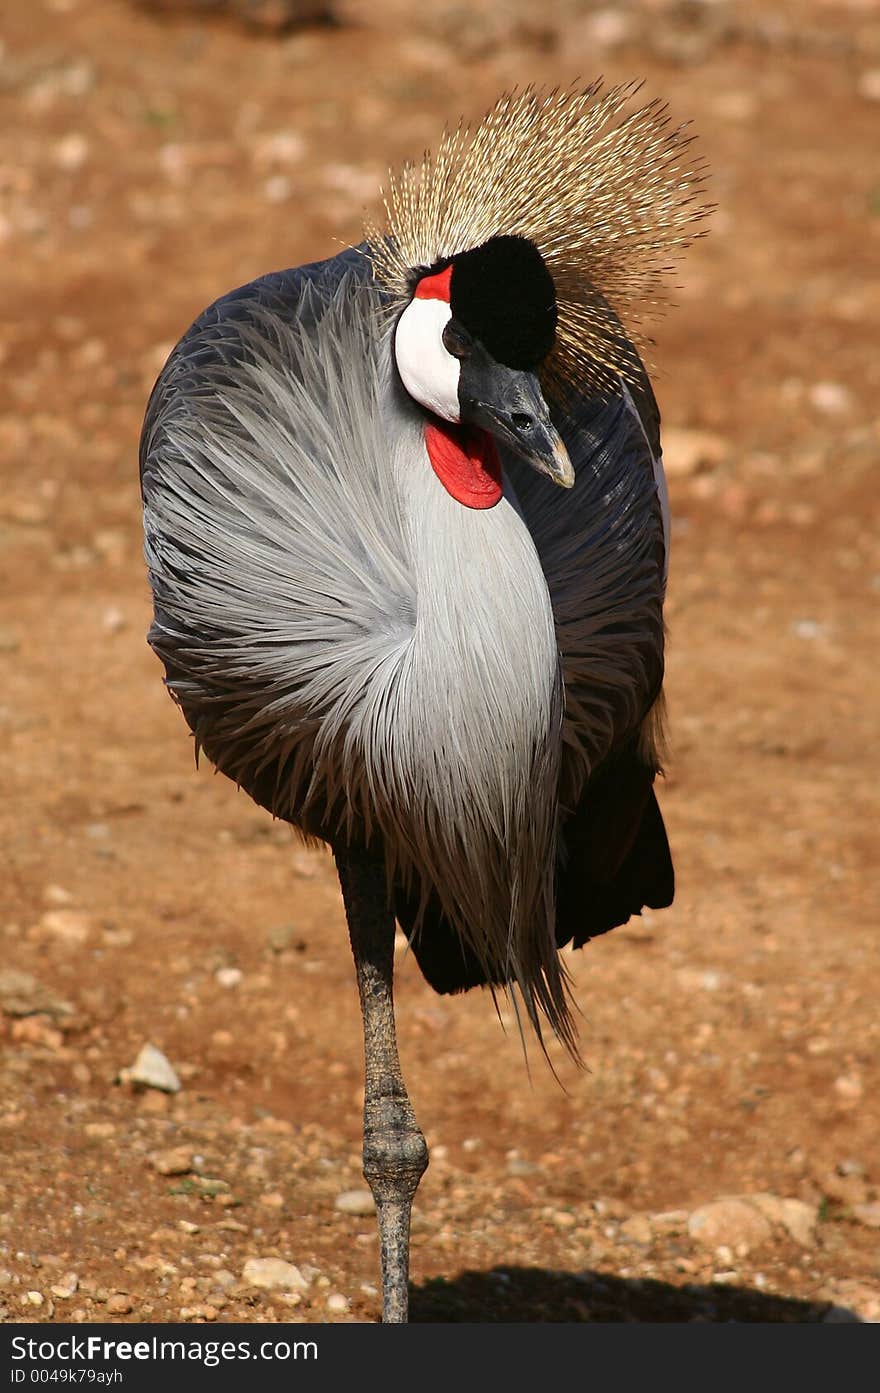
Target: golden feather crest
(609, 196)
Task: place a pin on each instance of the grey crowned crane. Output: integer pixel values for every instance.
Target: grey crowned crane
(377, 609)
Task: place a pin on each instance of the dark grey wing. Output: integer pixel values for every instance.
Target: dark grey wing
(211, 352)
(603, 548)
(616, 853)
(269, 522)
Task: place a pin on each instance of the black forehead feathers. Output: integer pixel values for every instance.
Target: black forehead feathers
(504, 295)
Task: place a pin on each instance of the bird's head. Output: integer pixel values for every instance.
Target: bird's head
(544, 235)
(470, 342)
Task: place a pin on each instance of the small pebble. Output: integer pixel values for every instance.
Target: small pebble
(281, 147)
(849, 1087)
(867, 1214)
(688, 452)
(729, 1221)
(278, 188)
(206, 1312)
(869, 85)
(516, 1165)
(178, 1160)
(637, 1229)
(831, 398)
(57, 895)
(273, 1274)
(72, 151)
(355, 1202)
(113, 620)
(70, 926)
(151, 1069)
(66, 1286)
(280, 937)
(228, 976)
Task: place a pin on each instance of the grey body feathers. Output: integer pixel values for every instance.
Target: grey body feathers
(370, 659)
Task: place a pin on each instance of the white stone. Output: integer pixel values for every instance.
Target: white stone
(177, 1160)
(690, 451)
(273, 1274)
(730, 1222)
(797, 1218)
(57, 895)
(72, 151)
(151, 1069)
(229, 976)
(66, 1286)
(355, 1202)
(278, 188)
(869, 85)
(67, 925)
(637, 1229)
(849, 1086)
(831, 398)
(867, 1214)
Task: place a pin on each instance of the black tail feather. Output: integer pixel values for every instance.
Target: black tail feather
(587, 906)
(617, 863)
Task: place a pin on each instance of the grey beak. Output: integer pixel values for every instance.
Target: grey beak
(509, 403)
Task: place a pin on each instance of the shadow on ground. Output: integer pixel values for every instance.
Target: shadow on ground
(533, 1294)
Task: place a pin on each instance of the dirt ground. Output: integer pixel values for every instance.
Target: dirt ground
(149, 163)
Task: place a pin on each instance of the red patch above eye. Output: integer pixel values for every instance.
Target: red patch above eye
(465, 460)
(435, 287)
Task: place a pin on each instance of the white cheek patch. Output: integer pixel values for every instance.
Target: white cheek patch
(427, 371)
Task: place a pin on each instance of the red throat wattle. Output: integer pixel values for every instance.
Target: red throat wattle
(465, 460)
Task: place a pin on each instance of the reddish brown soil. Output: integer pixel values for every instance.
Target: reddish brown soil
(146, 166)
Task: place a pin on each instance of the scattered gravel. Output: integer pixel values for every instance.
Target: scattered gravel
(22, 995)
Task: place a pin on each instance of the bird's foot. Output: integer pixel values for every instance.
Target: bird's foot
(395, 1159)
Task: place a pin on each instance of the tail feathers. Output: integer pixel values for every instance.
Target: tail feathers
(588, 905)
(446, 961)
(618, 874)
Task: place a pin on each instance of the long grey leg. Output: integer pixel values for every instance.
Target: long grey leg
(395, 1154)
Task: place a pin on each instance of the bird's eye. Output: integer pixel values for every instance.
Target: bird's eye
(457, 340)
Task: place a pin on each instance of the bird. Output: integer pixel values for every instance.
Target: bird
(406, 532)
